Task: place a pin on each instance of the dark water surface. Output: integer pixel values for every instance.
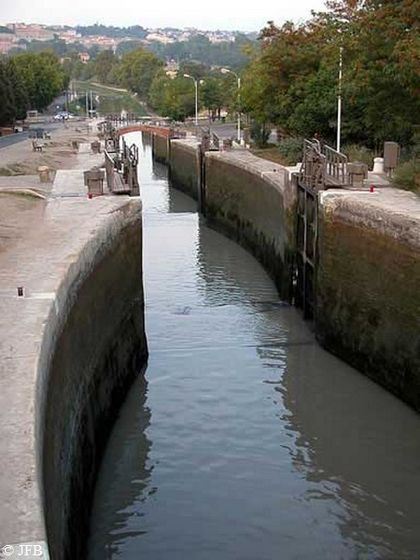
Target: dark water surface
(246, 441)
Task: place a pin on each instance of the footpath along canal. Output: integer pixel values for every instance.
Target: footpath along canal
(245, 440)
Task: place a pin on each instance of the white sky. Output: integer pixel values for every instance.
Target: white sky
(210, 14)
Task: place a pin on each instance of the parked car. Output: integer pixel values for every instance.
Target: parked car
(62, 116)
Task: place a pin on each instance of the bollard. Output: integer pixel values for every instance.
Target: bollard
(227, 143)
(20, 291)
(75, 145)
(44, 174)
(96, 147)
(378, 165)
(357, 173)
(94, 180)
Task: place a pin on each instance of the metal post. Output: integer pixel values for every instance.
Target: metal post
(87, 104)
(196, 96)
(229, 71)
(196, 102)
(91, 101)
(340, 77)
(239, 109)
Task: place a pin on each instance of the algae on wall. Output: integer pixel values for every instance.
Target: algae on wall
(257, 211)
(184, 162)
(368, 310)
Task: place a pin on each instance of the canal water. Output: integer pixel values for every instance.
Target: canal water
(245, 440)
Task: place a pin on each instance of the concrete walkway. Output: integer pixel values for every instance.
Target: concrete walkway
(41, 262)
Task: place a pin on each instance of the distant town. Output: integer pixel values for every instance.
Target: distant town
(17, 36)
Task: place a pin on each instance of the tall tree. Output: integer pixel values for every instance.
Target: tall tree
(137, 71)
(7, 104)
(292, 79)
(104, 63)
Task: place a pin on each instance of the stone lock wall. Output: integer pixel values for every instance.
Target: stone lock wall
(91, 362)
(160, 148)
(368, 291)
(254, 201)
(184, 166)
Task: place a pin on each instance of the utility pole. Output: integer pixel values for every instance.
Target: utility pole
(91, 102)
(238, 78)
(196, 82)
(87, 104)
(340, 78)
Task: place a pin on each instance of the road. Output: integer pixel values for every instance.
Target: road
(20, 136)
(57, 104)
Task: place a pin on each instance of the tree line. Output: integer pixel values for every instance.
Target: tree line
(292, 79)
(143, 73)
(28, 81)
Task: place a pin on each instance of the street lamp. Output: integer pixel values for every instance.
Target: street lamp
(196, 82)
(228, 71)
(340, 77)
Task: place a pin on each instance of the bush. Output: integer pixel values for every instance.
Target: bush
(260, 133)
(291, 149)
(362, 154)
(407, 176)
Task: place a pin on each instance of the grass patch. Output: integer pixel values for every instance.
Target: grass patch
(107, 99)
(407, 176)
(360, 154)
(270, 154)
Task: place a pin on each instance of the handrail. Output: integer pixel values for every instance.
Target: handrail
(312, 171)
(322, 166)
(336, 165)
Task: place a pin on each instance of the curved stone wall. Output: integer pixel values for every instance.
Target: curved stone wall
(73, 345)
(247, 198)
(368, 286)
(90, 355)
(184, 166)
(254, 201)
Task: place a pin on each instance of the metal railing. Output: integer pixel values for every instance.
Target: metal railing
(312, 171)
(336, 166)
(121, 169)
(210, 142)
(322, 166)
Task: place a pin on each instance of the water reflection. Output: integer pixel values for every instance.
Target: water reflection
(264, 446)
(362, 443)
(125, 477)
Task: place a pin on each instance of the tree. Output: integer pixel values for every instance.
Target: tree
(42, 75)
(172, 98)
(215, 94)
(137, 71)
(292, 79)
(104, 63)
(7, 105)
(20, 93)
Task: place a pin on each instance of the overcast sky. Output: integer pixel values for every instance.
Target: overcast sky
(210, 14)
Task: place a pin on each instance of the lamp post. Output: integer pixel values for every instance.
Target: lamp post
(196, 82)
(340, 77)
(228, 71)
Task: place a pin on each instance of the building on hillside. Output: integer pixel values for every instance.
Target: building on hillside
(6, 45)
(69, 35)
(31, 31)
(84, 57)
(159, 38)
